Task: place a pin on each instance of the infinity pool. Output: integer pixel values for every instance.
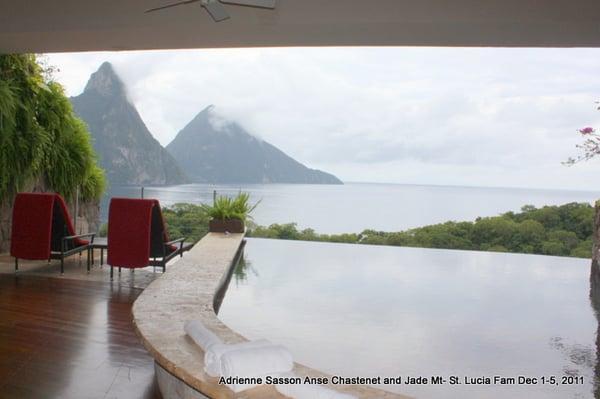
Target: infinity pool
(354, 310)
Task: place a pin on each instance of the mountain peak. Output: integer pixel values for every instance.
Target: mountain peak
(214, 149)
(207, 112)
(126, 148)
(210, 117)
(105, 81)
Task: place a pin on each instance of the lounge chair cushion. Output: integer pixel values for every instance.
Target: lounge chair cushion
(129, 224)
(60, 205)
(159, 234)
(32, 226)
(40, 221)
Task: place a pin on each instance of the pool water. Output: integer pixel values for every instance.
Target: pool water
(357, 310)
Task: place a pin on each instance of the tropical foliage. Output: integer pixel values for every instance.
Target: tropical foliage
(552, 230)
(182, 220)
(186, 220)
(224, 207)
(40, 136)
(564, 230)
(590, 147)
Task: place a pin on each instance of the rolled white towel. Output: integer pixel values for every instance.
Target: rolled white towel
(201, 335)
(309, 391)
(212, 356)
(255, 362)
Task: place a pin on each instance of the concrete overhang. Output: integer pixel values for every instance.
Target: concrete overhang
(84, 25)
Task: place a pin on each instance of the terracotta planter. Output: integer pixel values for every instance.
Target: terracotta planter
(227, 225)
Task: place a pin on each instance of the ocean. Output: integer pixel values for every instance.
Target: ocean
(353, 207)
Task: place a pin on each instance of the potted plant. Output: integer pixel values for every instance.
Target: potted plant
(229, 214)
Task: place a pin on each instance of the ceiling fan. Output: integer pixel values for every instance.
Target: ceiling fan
(216, 9)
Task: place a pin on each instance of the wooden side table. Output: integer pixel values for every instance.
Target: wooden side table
(100, 243)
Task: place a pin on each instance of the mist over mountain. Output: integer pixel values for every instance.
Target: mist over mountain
(211, 149)
(126, 149)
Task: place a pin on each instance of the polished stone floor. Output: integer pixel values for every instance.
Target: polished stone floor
(64, 337)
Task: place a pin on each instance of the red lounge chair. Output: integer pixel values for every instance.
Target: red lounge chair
(42, 230)
(137, 236)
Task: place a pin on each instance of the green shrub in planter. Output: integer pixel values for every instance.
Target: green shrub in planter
(230, 214)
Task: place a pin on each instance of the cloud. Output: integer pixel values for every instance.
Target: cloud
(416, 115)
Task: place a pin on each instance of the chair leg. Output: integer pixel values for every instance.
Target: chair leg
(89, 257)
(62, 264)
(111, 273)
(119, 269)
(101, 256)
(16, 265)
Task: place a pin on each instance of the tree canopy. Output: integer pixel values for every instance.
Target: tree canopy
(564, 230)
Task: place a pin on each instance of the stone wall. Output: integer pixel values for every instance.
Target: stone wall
(88, 217)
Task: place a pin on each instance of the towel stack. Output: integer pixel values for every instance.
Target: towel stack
(212, 355)
(201, 335)
(252, 359)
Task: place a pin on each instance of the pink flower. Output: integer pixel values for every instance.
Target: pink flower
(587, 130)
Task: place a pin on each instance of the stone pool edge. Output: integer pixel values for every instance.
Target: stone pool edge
(190, 289)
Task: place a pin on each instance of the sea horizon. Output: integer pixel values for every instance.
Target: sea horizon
(358, 183)
(357, 206)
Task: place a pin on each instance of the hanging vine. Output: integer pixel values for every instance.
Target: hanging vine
(40, 135)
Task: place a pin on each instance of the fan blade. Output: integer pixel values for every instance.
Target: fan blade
(179, 3)
(215, 9)
(252, 3)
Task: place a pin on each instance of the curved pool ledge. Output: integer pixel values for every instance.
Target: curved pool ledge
(191, 289)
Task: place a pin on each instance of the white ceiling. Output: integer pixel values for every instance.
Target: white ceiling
(85, 25)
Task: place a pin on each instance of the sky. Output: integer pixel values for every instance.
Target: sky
(448, 116)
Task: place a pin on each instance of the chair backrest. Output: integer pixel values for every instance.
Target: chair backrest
(129, 231)
(40, 221)
(158, 233)
(62, 226)
(32, 226)
(59, 227)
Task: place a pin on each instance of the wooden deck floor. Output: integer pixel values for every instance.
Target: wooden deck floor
(63, 338)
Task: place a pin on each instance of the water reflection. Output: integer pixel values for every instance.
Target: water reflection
(356, 310)
(579, 358)
(240, 273)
